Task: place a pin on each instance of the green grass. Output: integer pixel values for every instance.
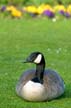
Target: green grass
(18, 38)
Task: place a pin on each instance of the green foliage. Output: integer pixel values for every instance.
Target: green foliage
(15, 2)
(65, 2)
(36, 2)
(3, 1)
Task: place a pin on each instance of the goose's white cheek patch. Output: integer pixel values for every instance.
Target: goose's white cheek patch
(38, 59)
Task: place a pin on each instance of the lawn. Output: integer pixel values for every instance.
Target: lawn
(20, 37)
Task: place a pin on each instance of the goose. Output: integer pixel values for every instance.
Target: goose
(39, 84)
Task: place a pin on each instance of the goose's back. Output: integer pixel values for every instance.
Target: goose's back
(53, 83)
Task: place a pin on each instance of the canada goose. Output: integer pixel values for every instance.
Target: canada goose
(39, 84)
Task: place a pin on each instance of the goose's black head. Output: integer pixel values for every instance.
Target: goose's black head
(35, 57)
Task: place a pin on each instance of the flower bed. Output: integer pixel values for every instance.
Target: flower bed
(57, 11)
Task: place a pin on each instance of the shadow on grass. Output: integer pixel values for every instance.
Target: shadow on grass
(67, 93)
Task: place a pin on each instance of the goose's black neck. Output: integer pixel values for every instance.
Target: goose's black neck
(40, 70)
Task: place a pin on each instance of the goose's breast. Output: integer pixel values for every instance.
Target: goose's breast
(34, 91)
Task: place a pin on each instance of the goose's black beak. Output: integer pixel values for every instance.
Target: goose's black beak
(28, 60)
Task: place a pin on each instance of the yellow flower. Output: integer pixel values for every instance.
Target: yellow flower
(10, 8)
(48, 7)
(69, 9)
(16, 13)
(44, 7)
(32, 9)
(40, 10)
(59, 8)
